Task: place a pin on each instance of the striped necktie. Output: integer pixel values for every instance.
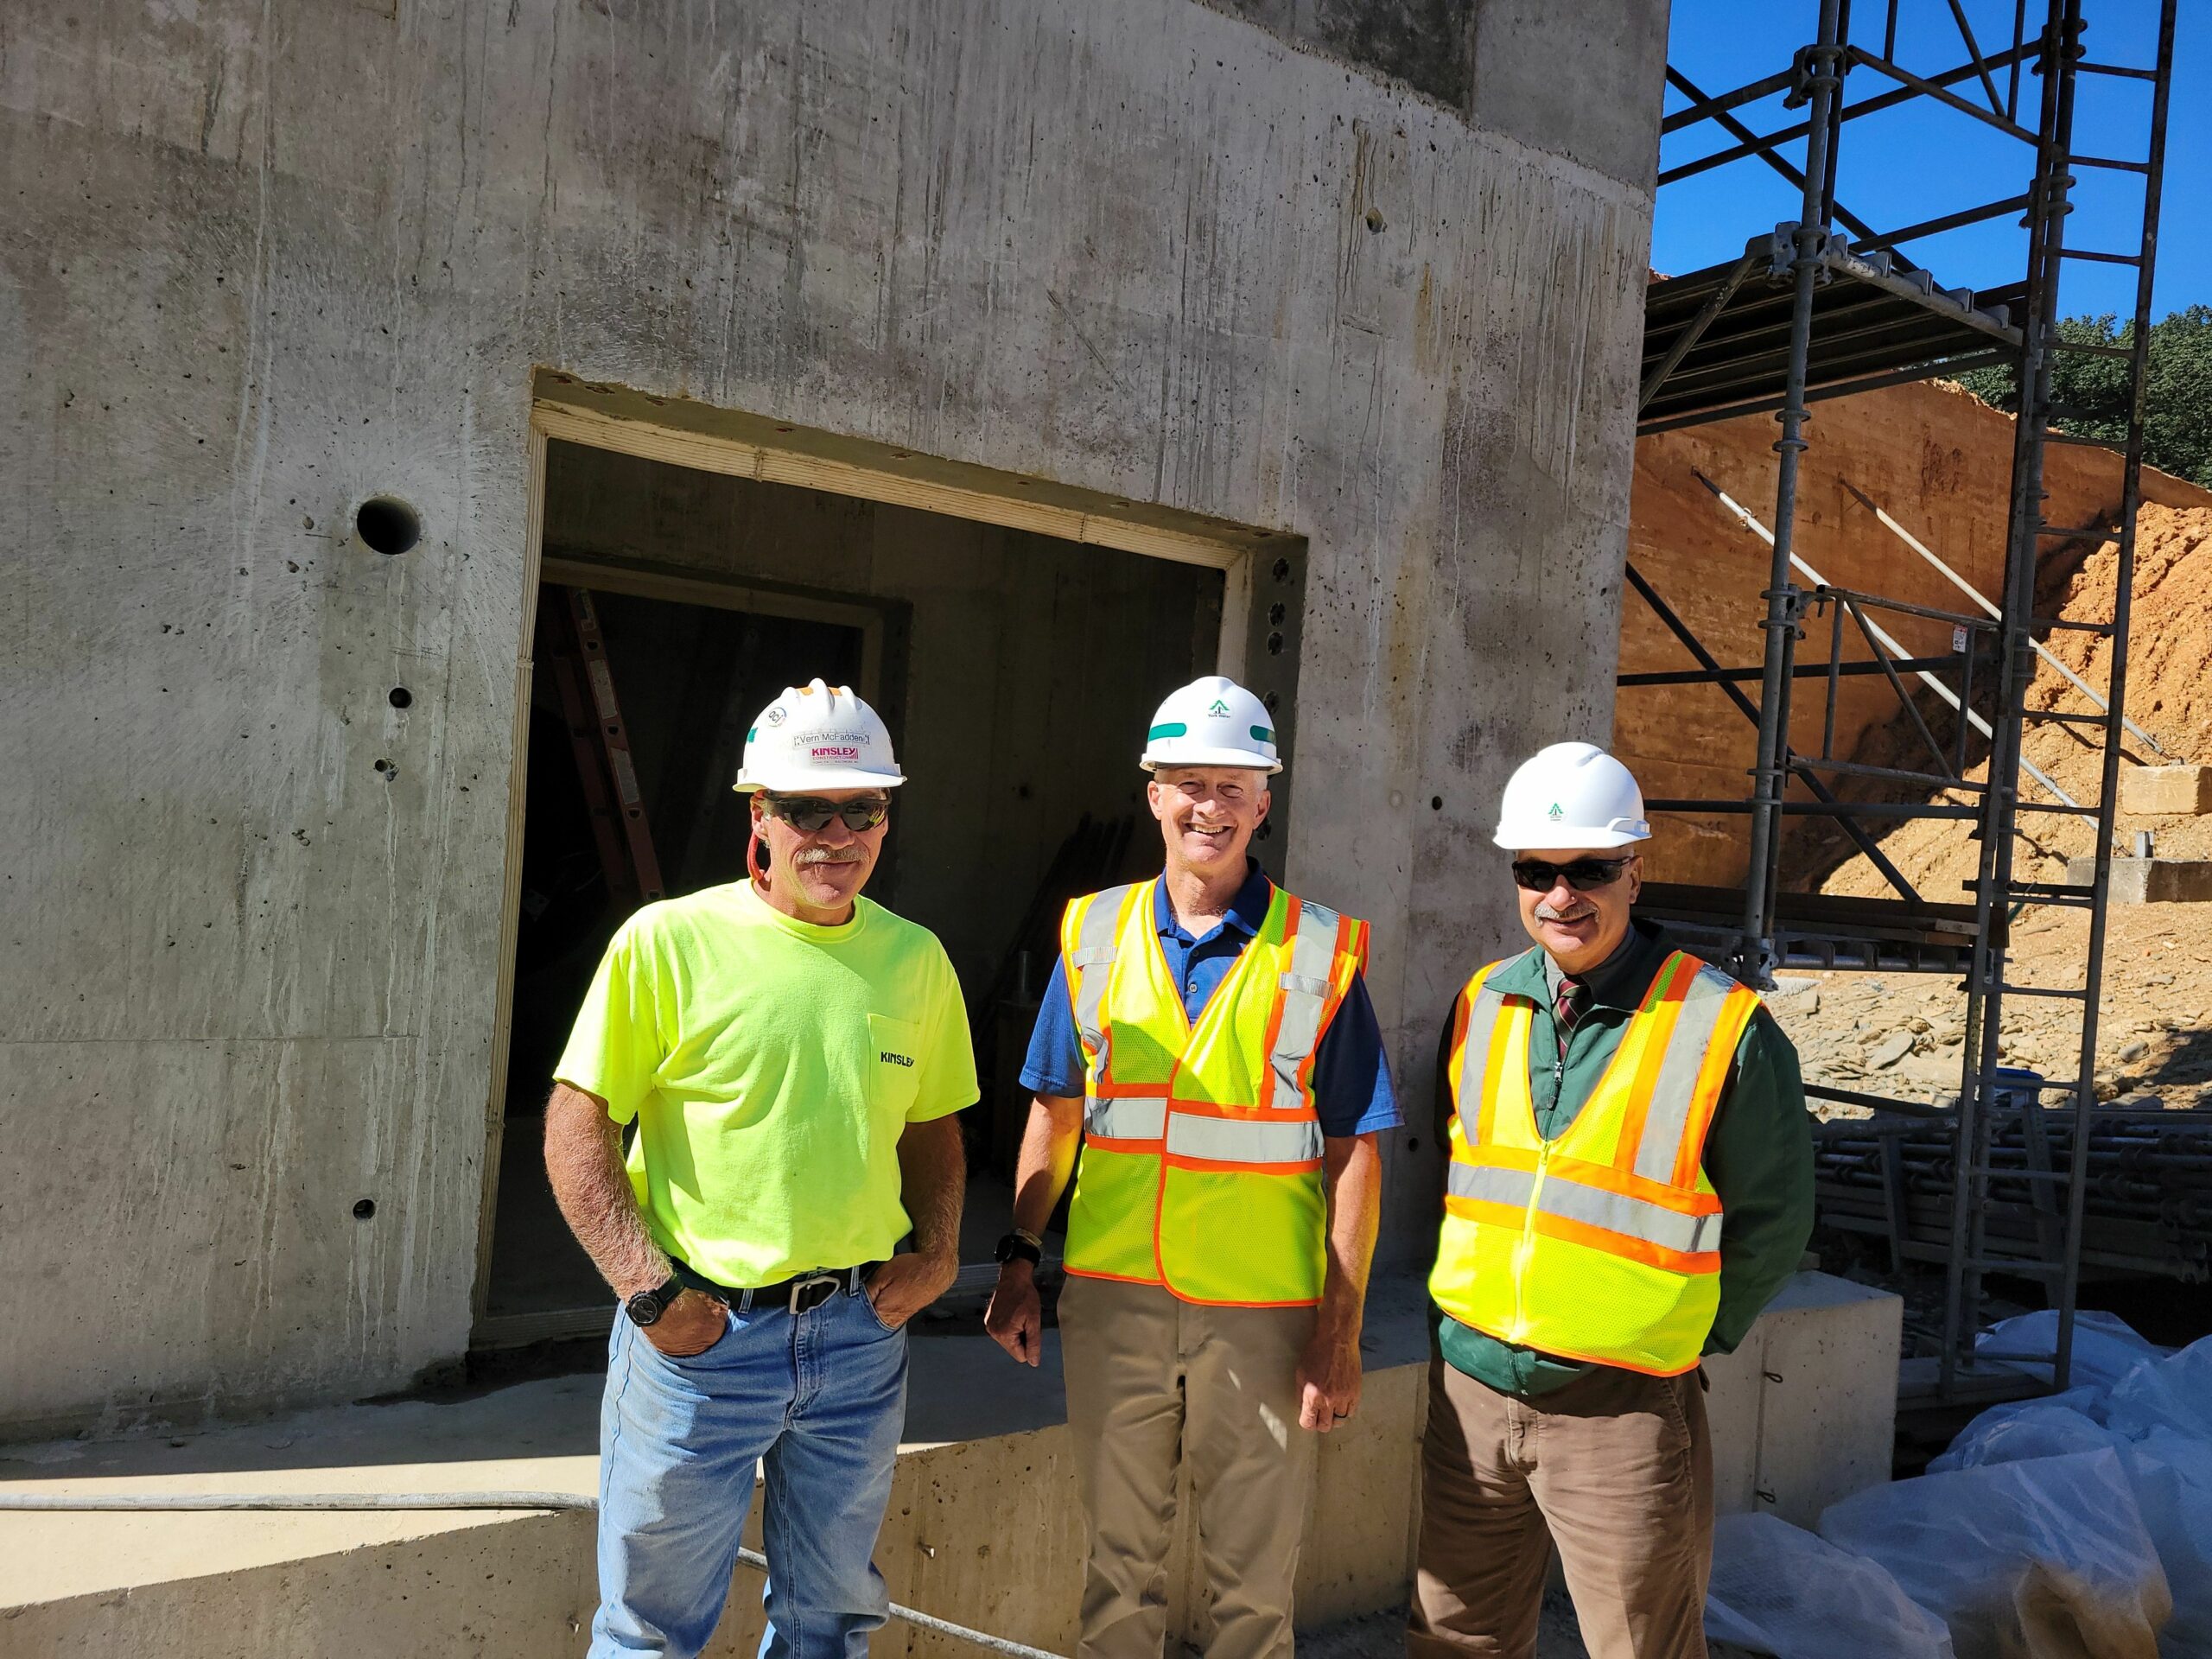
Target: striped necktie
(1568, 1009)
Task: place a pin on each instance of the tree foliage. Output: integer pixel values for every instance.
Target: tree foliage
(2091, 390)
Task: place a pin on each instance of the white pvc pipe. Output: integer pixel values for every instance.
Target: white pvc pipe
(1967, 589)
(1889, 643)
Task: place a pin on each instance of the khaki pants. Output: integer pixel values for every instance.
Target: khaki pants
(1151, 1380)
(1615, 1468)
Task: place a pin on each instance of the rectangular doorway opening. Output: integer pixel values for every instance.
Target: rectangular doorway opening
(1017, 671)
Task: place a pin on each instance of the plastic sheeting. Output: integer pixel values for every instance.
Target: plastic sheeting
(2154, 1417)
(1778, 1589)
(2047, 1558)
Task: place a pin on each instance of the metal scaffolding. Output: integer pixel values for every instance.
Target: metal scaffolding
(1812, 311)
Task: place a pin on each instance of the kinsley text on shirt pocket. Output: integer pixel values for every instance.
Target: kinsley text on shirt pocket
(896, 1047)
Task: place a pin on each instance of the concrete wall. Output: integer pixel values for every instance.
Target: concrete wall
(264, 259)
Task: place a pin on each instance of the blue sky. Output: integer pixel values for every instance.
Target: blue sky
(1922, 160)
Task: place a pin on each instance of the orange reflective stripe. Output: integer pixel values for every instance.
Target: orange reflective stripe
(1605, 1177)
(1110, 1091)
(1111, 1143)
(1712, 1078)
(1633, 1250)
(1301, 1112)
(1226, 1166)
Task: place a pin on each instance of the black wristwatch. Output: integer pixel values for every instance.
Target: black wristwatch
(1018, 1247)
(648, 1305)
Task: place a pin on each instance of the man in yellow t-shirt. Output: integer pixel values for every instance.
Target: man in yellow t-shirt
(792, 1055)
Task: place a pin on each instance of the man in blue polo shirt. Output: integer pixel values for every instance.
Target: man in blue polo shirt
(1208, 1048)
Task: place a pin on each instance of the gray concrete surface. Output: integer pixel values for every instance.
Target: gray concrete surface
(2149, 880)
(983, 1527)
(264, 259)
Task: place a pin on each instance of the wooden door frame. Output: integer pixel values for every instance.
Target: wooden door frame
(680, 433)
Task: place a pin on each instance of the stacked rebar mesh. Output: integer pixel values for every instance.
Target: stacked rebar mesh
(2149, 1205)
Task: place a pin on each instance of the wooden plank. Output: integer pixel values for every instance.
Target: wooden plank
(495, 1108)
(1014, 503)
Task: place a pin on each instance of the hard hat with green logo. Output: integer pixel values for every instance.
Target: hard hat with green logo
(1571, 795)
(817, 736)
(1212, 722)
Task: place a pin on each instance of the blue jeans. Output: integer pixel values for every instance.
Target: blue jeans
(818, 1401)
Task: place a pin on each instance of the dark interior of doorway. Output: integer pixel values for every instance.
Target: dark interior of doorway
(1017, 673)
(686, 679)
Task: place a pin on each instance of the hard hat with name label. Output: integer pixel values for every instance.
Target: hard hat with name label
(1212, 722)
(817, 736)
(1571, 795)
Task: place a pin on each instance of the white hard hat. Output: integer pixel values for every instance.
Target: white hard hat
(1571, 795)
(1212, 722)
(817, 736)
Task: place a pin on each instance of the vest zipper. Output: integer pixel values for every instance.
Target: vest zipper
(1528, 1244)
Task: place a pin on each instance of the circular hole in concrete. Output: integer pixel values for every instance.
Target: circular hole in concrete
(387, 526)
(1275, 644)
(1276, 612)
(1274, 700)
(400, 697)
(387, 770)
(364, 1208)
(1282, 569)
(1436, 802)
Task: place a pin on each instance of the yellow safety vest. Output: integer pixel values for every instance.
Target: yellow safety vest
(1201, 1162)
(1604, 1243)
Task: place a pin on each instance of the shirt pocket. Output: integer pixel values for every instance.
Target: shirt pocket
(895, 1064)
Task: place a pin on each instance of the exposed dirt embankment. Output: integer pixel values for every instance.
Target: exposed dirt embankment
(1936, 459)
(2169, 694)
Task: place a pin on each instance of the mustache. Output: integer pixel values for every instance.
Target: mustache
(1572, 914)
(813, 855)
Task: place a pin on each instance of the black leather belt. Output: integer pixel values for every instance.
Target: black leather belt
(797, 1294)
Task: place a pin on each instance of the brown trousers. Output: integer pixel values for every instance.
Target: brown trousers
(1152, 1380)
(1615, 1469)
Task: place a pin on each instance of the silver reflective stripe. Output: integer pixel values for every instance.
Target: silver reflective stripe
(1092, 960)
(1311, 953)
(1482, 1030)
(1124, 1118)
(1492, 1184)
(1635, 1217)
(1244, 1139)
(1570, 1201)
(1668, 1116)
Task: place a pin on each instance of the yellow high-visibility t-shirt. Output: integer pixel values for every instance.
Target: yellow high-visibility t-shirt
(771, 1066)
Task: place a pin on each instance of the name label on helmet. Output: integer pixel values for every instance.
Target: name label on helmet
(837, 753)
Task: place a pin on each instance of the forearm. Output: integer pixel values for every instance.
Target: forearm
(583, 1160)
(1352, 1179)
(1049, 1143)
(933, 1178)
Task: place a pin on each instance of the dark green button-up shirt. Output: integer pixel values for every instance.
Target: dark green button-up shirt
(1758, 1152)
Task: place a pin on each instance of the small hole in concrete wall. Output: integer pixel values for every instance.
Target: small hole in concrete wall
(387, 771)
(364, 1208)
(1414, 1145)
(400, 698)
(1274, 700)
(1436, 802)
(1275, 644)
(1282, 569)
(388, 525)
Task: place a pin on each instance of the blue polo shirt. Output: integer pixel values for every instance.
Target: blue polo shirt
(1351, 1075)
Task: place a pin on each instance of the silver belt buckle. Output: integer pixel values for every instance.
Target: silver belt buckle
(809, 1283)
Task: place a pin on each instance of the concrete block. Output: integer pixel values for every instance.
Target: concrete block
(2150, 791)
(1804, 1413)
(2150, 881)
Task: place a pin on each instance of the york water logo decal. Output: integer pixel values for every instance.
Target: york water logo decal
(1220, 709)
(891, 1058)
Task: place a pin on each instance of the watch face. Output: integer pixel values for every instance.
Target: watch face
(644, 1307)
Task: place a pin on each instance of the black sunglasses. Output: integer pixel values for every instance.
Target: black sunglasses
(1583, 874)
(810, 814)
